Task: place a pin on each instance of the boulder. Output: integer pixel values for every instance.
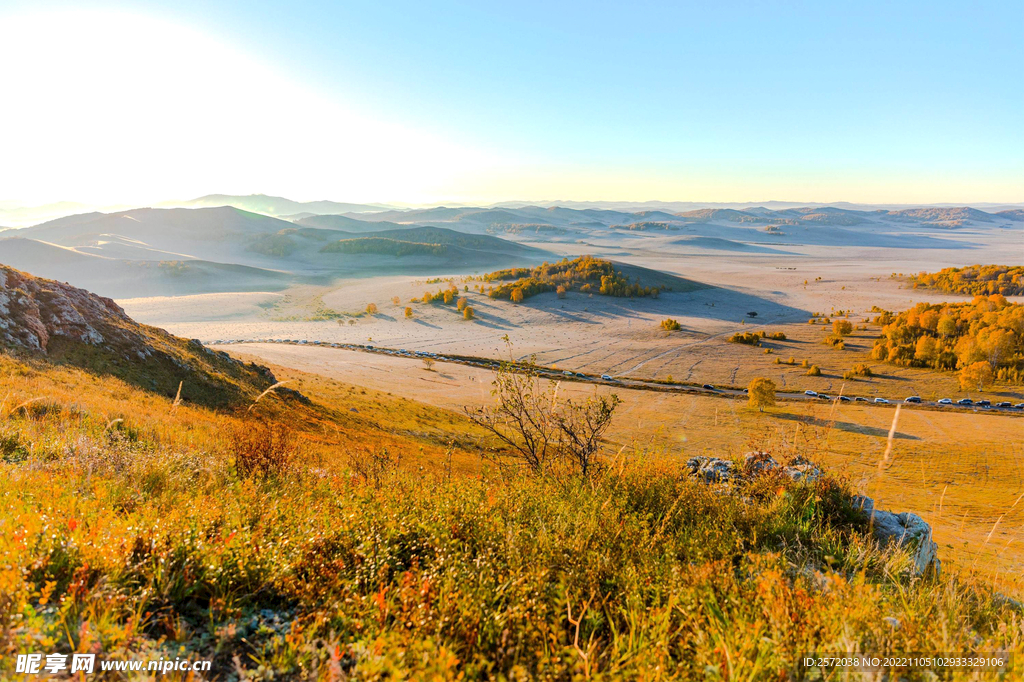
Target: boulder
(712, 469)
(716, 470)
(904, 529)
(756, 463)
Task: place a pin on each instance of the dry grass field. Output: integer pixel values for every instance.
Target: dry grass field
(963, 472)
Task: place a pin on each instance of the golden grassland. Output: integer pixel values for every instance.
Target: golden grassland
(128, 529)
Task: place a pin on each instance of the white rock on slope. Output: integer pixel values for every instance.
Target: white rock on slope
(904, 529)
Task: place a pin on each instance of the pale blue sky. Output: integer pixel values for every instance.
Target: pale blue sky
(816, 101)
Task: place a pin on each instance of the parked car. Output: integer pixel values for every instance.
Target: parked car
(1019, 406)
(843, 399)
(811, 393)
(824, 396)
(567, 373)
(965, 401)
(984, 403)
(606, 377)
(860, 399)
(945, 401)
(709, 387)
(912, 399)
(881, 401)
(1004, 404)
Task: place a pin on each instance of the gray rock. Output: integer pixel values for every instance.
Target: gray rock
(808, 473)
(904, 529)
(712, 469)
(757, 463)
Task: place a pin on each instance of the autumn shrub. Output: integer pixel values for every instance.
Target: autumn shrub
(746, 338)
(262, 449)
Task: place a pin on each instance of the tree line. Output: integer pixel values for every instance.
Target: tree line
(975, 280)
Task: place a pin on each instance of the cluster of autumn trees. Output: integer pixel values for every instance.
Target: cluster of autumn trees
(984, 339)
(754, 338)
(447, 297)
(585, 274)
(977, 280)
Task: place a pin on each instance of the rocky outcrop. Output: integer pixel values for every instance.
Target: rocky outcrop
(60, 323)
(33, 311)
(712, 469)
(903, 529)
(716, 470)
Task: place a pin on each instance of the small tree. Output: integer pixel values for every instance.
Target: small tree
(842, 327)
(560, 291)
(517, 295)
(761, 393)
(670, 325)
(408, 312)
(978, 374)
(395, 300)
(428, 364)
(467, 313)
(462, 303)
(536, 431)
(582, 425)
(371, 309)
(814, 371)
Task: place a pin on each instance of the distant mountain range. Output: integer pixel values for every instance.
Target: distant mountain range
(15, 214)
(173, 251)
(274, 206)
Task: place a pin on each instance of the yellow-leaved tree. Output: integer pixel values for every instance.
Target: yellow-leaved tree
(976, 374)
(761, 393)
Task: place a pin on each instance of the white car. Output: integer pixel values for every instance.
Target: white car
(945, 401)
(881, 401)
(811, 393)
(606, 377)
(567, 373)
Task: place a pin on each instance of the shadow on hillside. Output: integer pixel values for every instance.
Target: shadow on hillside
(843, 426)
(425, 324)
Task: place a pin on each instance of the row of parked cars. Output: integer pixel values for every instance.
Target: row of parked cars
(963, 402)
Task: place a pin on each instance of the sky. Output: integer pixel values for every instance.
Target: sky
(478, 102)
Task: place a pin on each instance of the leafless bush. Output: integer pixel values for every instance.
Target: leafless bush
(537, 431)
